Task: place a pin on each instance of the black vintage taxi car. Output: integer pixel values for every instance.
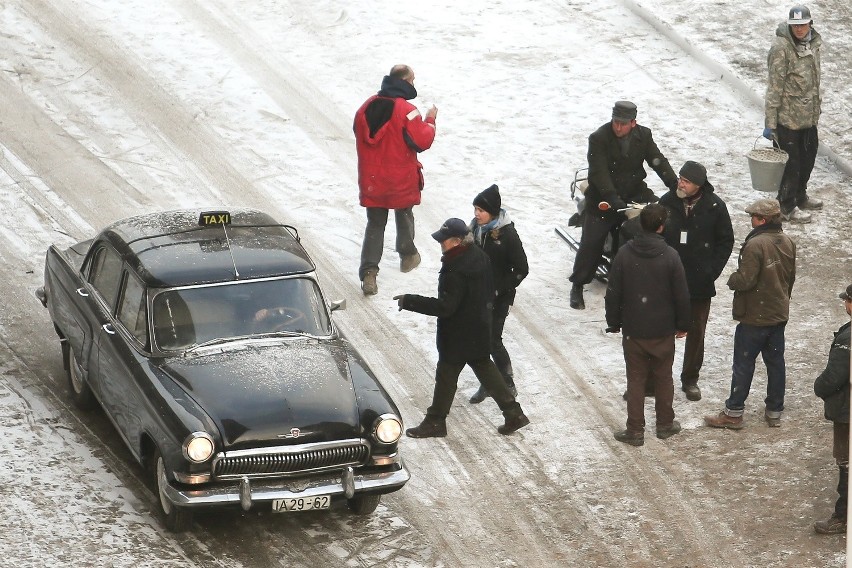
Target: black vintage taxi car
(207, 341)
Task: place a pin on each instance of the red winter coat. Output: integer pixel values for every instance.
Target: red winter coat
(389, 132)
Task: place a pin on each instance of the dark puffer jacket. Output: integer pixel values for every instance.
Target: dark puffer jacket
(463, 305)
(619, 179)
(832, 385)
(647, 295)
(709, 238)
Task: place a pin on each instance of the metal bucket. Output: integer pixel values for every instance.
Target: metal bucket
(766, 166)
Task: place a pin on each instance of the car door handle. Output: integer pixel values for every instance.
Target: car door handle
(82, 292)
(107, 327)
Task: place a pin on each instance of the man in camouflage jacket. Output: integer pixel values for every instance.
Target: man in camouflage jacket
(792, 108)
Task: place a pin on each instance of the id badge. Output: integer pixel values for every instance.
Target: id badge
(683, 237)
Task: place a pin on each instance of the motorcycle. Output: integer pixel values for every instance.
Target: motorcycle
(619, 235)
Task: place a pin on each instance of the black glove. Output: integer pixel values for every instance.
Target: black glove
(400, 300)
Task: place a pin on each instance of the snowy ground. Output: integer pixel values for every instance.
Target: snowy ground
(115, 108)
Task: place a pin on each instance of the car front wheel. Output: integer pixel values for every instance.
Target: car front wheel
(81, 394)
(177, 519)
(363, 504)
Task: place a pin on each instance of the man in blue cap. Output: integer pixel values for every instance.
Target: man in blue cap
(463, 308)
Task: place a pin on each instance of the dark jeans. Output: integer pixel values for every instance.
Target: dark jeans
(374, 236)
(647, 359)
(592, 241)
(841, 456)
(498, 350)
(801, 147)
(693, 351)
(749, 341)
(446, 383)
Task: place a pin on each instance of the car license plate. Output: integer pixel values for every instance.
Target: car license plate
(301, 504)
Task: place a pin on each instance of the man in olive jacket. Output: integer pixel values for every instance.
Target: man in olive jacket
(463, 308)
(833, 387)
(617, 153)
(762, 285)
(699, 229)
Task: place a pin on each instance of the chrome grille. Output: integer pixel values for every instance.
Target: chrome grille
(290, 460)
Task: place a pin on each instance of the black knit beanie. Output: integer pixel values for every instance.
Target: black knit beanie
(489, 200)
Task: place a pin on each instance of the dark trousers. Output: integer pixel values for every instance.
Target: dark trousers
(841, 456)
(374, 236)
(446, 383)
(647, 359)
(749, 342)
(801, 147)
(498, 351)
(592, 241)
(693, 351)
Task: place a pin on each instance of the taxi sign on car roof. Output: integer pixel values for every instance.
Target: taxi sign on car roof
(211, 218)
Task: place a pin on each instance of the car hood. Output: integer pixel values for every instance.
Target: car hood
(282, 392)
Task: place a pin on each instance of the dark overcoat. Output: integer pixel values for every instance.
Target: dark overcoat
(463, 305)
(832, 385)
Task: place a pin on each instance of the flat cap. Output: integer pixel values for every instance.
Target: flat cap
(764, 208)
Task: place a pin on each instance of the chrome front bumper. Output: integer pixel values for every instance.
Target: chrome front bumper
(245, 492)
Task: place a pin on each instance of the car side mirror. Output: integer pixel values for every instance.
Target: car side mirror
(338, 305)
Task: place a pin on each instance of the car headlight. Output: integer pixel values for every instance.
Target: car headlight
(198, 447)
(387, 429)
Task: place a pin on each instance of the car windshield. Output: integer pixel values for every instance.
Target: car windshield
(185, 317)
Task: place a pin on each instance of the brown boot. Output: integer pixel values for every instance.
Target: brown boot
(722, 420)
(429, 428)
(409, 262)
(668, 431)
(368, 285)
(834, 525)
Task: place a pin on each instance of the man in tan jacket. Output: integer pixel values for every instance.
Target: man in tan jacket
(762, 285)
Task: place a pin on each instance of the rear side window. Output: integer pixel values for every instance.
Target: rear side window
(105, 275)
(133, 310)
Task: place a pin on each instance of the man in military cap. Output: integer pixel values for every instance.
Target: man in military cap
(616, 177)
(762, 285)
(792, 108)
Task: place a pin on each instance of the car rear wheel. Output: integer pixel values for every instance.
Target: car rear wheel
(177, 519)
(363, 504)
(81, 394)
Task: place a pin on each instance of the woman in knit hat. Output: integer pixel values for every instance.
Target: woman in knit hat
(495, 232)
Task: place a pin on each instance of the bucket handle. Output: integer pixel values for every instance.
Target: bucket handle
(773, 147)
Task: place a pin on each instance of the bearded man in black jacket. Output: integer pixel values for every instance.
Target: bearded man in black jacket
(699, 229)
(463, 308)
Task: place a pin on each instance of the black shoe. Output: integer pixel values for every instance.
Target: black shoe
(632, 438)
(429, 428)
(480, 395)
(692, 392)
(671, 430)
(513, 424)
(576, 299)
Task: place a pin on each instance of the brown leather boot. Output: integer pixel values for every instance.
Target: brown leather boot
(722, 420)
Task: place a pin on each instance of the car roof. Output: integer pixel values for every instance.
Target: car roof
(172, 249)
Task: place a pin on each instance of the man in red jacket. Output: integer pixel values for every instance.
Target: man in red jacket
(389, 133)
